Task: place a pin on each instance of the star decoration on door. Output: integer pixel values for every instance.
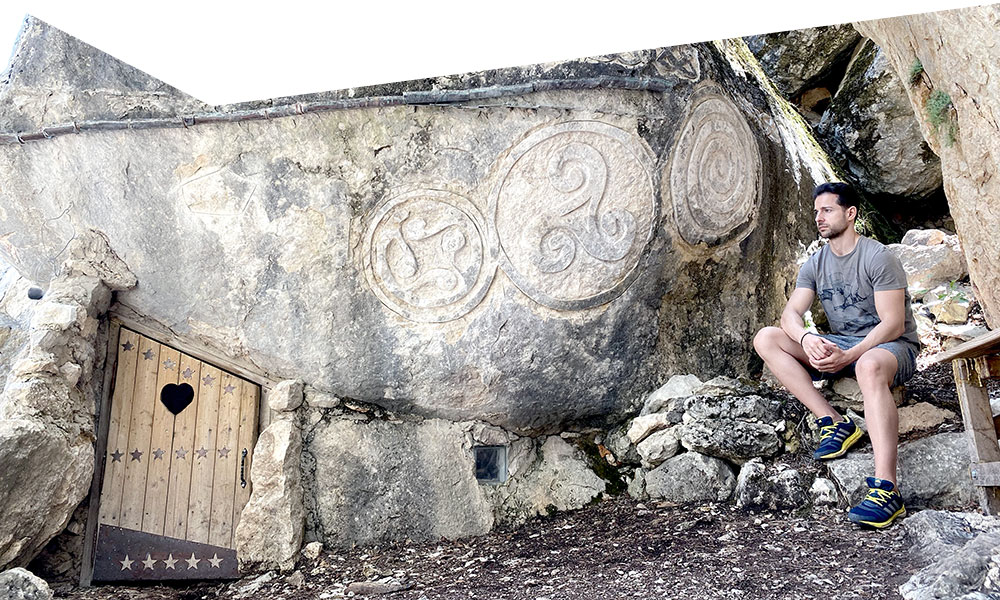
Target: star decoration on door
(149, 562)
(216, 561)
(148, 355)
(116, 456)
(126, 564)
(181, 453)
(201, 452)
(127, 346)
(208, 380)
(170, 561)
(136, 455)
(223, 452)
(158, 454)
(187, 373)
(192, 562)
(229, 388)
(169, 364)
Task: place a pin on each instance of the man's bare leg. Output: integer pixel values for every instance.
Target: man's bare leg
(786, 359)
(875, 371)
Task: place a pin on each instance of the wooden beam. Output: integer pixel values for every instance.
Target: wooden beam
(985, 474)
(979, 428)
(103, 424)
(980, 346)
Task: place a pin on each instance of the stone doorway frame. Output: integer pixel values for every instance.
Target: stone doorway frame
(116, 321)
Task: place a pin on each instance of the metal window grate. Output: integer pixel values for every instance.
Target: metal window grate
(491, 464)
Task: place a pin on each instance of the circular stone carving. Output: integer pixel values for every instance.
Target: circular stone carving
(714, 172)
(575, 207)
(426, 255)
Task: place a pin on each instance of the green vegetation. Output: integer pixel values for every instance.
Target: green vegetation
(941, 114)
(916, 71)
(953, 292)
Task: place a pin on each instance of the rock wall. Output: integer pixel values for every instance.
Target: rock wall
(528, 260)
(952, 57)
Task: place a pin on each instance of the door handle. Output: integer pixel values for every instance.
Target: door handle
(243, 467)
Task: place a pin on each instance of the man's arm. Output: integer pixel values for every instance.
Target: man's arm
(798, 303)
(891, 308)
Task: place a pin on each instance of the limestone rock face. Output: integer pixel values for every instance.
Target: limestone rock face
(380, 481)
(966, 70)
(269, 534)
(871, 130)
(934, 533)
(795, 60)
(61, 86)
(933, 472)
(444, 260)
(16, 310)
(691, 477)
(21, 584)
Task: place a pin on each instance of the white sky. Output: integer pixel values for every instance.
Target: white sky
(225, 52)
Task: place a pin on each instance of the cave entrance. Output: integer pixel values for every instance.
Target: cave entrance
(175, 473)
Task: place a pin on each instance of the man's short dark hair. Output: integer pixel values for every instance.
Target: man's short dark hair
(846, 196)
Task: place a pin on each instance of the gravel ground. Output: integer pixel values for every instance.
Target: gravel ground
(616, 549)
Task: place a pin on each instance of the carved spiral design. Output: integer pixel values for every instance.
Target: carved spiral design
(714, 172)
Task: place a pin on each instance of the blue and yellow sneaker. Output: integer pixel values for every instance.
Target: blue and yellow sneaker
(880, 507)
(836, 438)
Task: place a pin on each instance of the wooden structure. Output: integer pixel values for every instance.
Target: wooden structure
(176, 468)
(973, 363)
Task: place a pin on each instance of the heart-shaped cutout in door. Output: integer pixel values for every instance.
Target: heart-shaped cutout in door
(176, 397)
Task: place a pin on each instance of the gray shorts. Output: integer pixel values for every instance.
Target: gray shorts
(905, 353)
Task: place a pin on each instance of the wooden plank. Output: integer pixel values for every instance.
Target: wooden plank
(249, 407)
(226, 462)
(140, 428)
(182, 453)
(203, 465)
(979, 429)
(980, 346)
(160, 443)
(245, 370)
(100, 450)
(985, 474)
(118, 428)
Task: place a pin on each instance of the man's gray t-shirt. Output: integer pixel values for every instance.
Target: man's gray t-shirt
(846, 287)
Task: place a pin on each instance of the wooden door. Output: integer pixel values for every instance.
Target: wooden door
(177, 466)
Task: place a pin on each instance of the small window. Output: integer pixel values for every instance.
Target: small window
(491, 464)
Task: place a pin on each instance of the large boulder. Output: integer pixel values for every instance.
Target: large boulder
(971, 572)
(933, 472)
(47, 408)
(871, 130)
(956, 98)
(930, 258)
(796, 60)
(21, 584)
(444, 259)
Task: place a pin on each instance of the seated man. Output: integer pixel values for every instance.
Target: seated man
(862, 287)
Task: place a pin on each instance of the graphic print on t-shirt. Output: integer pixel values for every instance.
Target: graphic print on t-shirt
(845, 306)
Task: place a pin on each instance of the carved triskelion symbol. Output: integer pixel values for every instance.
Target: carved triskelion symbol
(427, 257)
(714, 172)
(574, 209)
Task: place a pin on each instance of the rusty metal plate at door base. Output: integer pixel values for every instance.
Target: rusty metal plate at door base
(127, 555)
